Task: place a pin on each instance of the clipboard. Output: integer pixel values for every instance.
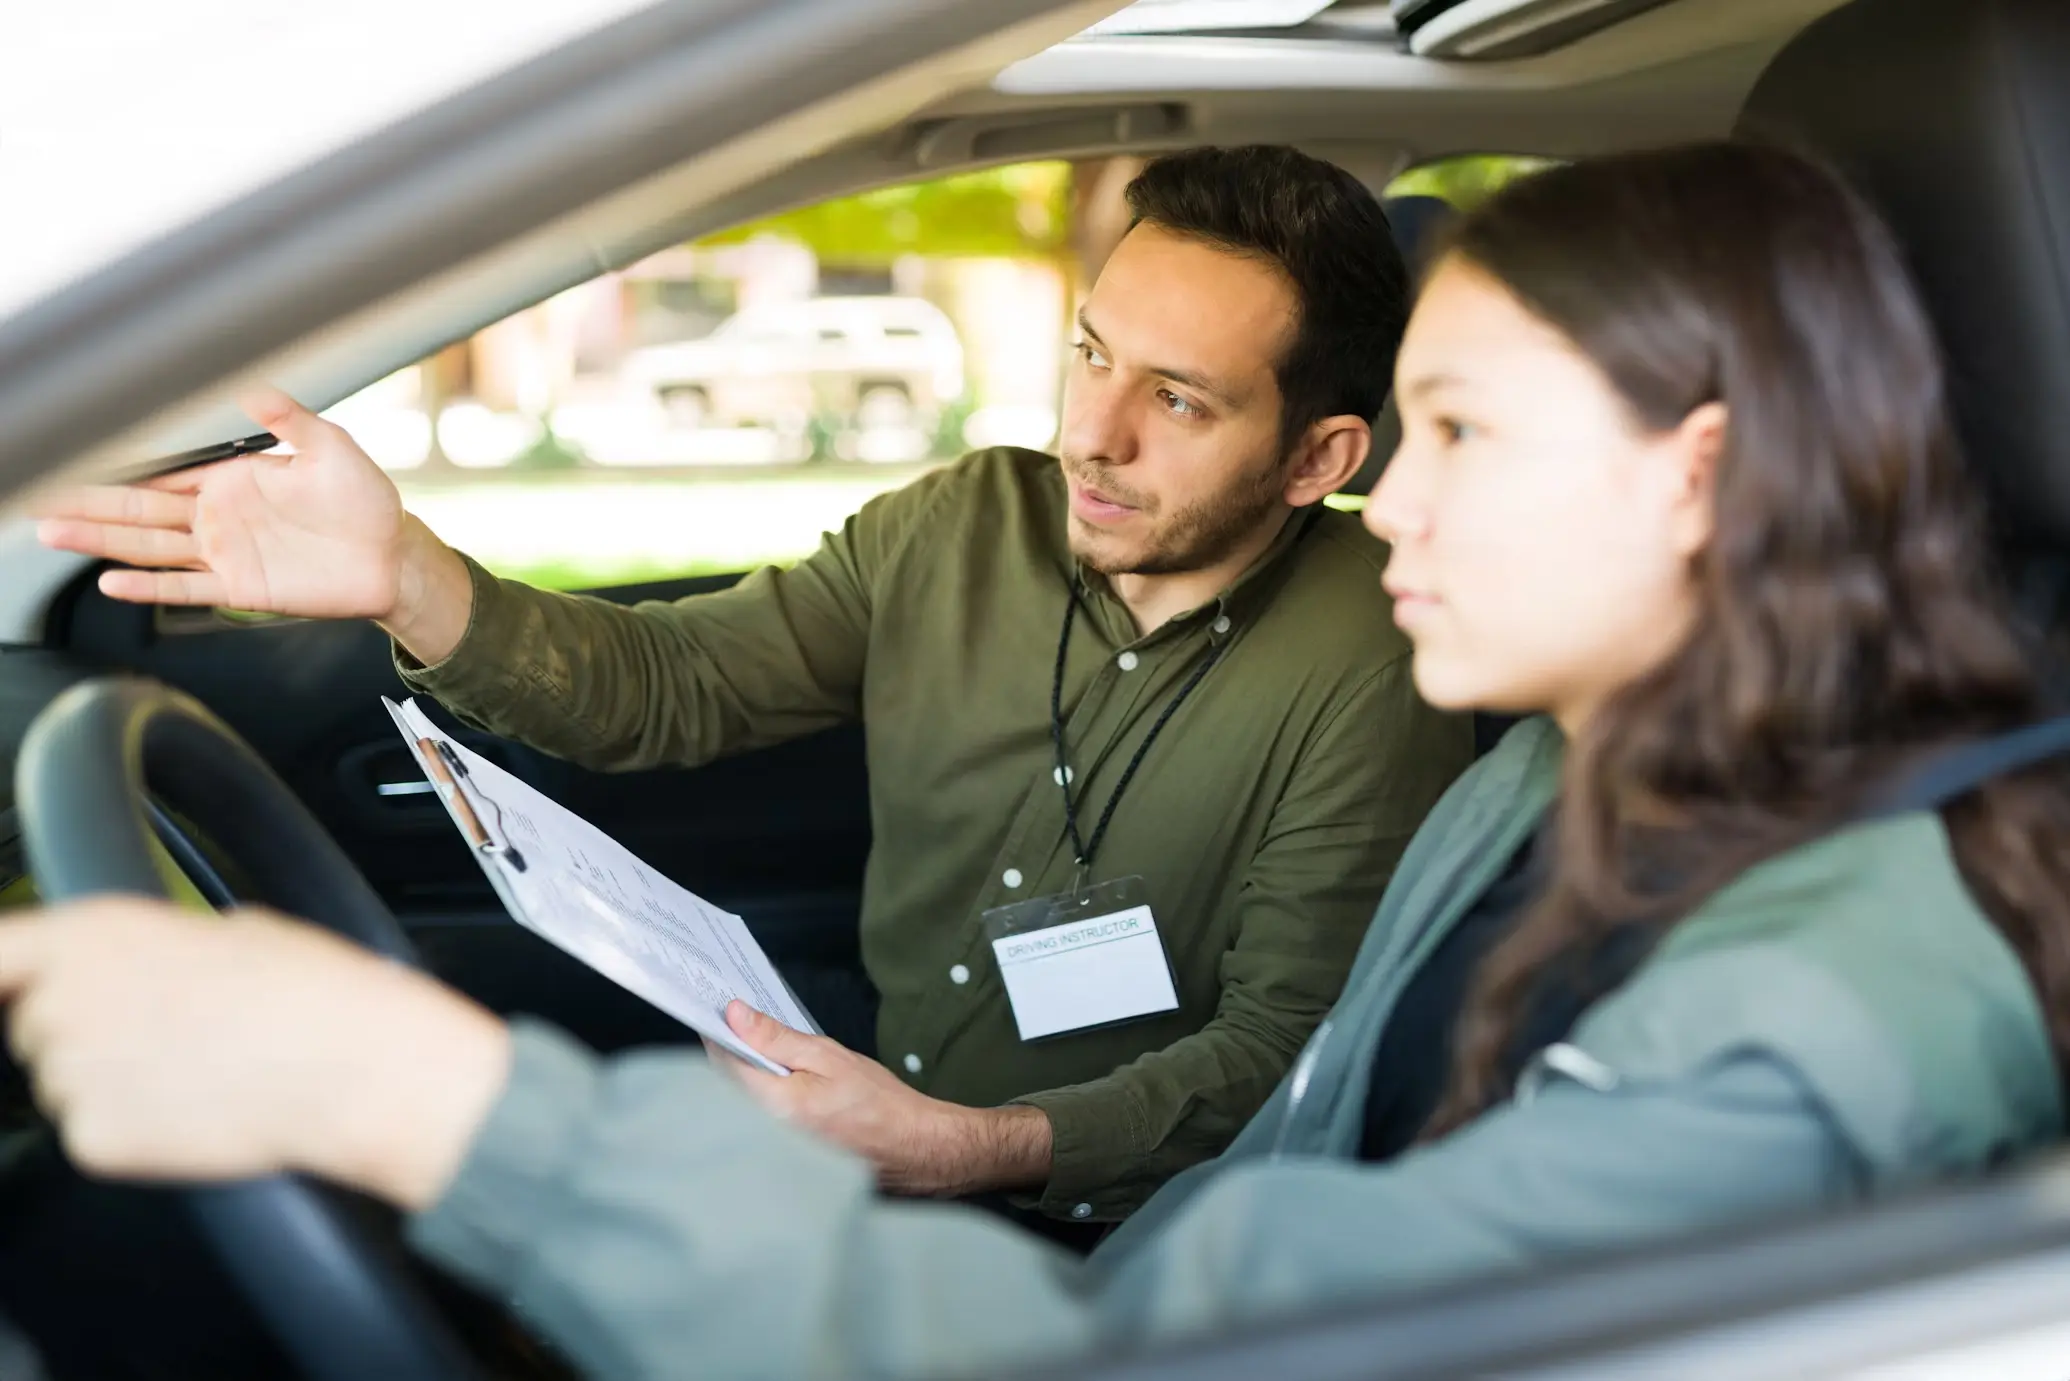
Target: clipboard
(653, 938)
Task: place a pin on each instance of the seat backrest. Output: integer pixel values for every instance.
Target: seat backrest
(1954, 117)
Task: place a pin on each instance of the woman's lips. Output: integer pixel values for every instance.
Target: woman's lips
(1411, 606)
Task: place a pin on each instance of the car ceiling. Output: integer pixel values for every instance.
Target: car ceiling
(1678, 71)
(1688, 63)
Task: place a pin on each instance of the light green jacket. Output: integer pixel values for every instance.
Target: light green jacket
(1840, 1022)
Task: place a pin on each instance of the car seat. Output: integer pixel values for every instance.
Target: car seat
(1954, 119)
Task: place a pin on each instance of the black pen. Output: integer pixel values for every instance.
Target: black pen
(446, 770)
(445, 750)
(222, 450)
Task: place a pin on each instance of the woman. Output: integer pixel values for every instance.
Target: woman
(1677, 478)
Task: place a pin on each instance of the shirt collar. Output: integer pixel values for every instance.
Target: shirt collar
(1243, 597)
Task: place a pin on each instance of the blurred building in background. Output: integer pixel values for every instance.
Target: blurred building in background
(723, 402)
(900, 326)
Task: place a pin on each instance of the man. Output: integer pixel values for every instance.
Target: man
(1157, 674)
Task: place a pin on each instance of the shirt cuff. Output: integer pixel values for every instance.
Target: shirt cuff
(487, 1220)
(1099, 1137)
(645, 1157)
(482, 659)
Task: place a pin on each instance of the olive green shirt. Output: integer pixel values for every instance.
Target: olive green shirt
(1265, 821)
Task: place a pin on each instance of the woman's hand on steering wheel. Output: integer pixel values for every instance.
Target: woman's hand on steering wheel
(166, 1045)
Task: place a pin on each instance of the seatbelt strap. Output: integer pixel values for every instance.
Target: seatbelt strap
(1955, 772)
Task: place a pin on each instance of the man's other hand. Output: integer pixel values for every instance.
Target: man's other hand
(320, 533)
(167, 1045)
(919, 1145)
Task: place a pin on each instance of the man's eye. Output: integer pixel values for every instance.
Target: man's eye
(1091, 355)
(1176, 405)
(1455, 431)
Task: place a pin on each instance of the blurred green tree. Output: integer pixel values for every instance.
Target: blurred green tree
(1020, 211)
(1467, 180)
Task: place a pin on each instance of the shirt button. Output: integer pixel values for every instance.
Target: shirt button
(959, 975)
(1063, 776)
(1082, 1211)
(1127, 661)
(1011, 877)
(912, 1064)
(1222, 624)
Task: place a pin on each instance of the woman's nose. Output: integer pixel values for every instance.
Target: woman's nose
(1394, 510)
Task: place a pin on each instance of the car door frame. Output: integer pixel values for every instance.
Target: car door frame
(603, 114)
(1942, 1280)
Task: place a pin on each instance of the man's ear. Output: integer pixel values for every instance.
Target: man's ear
(1326, 458)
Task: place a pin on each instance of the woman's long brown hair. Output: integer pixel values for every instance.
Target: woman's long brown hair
(1848, 621)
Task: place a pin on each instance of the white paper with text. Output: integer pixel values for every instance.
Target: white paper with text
(589, 894)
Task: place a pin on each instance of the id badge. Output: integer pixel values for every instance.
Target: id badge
(1081, 959)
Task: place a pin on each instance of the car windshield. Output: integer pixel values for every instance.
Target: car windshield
(120, 122)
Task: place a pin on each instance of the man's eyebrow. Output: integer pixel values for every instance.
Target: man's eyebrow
(1186, 377)
(1196, 382)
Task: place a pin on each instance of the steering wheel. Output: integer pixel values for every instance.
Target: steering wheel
(335, 1291)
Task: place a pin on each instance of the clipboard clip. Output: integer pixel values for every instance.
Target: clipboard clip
(446, 770)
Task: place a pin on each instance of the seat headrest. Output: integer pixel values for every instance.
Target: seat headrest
(1954, 117)
(1416, 221)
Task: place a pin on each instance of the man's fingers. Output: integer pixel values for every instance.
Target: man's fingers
(771, 1092)
(184, 481)
(204, 588)
(739, 1069)
(136, 546)
(126, 504)
(767, 1035)
(284, 417)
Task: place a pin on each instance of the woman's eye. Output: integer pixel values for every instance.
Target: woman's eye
(1176, 405)
(1454, 431)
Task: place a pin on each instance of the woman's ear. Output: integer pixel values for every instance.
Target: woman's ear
(1697, 448)
(1326, 459)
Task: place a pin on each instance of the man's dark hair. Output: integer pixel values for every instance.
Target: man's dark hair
(1326, 232)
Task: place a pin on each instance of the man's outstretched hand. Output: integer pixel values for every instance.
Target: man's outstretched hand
(320, 533)
(169, 1045)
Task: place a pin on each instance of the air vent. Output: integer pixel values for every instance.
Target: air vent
(1021, 136)
(1492, 29)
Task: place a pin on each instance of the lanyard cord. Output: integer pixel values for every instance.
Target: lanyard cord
(1083, 852)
